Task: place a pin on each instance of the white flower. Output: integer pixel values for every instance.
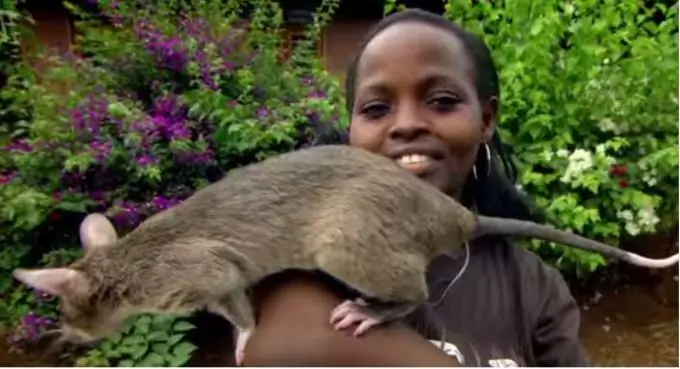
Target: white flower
(632, 229)
(647, 218)
(580, 155)
(626, 215)
(644, 220)
(579, 161)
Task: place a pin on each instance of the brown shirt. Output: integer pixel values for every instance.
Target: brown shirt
(508, 308)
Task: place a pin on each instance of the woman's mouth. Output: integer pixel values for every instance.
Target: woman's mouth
(417, 164)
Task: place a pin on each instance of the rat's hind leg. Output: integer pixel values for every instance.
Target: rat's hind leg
(237, 308)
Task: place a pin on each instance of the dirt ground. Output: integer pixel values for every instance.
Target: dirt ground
(630, 327)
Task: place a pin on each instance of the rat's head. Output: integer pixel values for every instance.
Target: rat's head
(91, 307)
(425, 93)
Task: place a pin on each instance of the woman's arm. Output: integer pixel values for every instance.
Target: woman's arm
(294, 330)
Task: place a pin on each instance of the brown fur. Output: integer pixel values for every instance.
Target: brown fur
(338, 209)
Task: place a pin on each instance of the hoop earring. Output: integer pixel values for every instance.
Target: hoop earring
(488, 163)
(488, 158)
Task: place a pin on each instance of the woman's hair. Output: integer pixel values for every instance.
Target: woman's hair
(494, 193)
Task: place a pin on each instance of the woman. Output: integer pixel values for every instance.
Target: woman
(425, 93)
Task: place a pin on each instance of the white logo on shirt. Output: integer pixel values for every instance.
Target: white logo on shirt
(451, 350)
(503, 363)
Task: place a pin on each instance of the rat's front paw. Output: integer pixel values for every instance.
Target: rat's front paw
(350, 312)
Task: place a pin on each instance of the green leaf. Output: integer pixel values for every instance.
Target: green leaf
(182, 326)
(160, 348)
(174, 339)
(184, 348)
(133, 340)
(139, 351)
(126, 363)
(158, 336)
(152, 360)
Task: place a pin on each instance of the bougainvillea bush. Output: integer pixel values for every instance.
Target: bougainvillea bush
(589, 104)
(158, 100)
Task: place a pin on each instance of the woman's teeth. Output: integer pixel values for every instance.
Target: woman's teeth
(413, 159)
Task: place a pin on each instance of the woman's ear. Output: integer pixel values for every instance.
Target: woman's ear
(489, 118)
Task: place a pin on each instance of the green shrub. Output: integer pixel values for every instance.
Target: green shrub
(152, 106)
(589, 104)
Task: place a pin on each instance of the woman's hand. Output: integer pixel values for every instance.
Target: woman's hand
(294, 330)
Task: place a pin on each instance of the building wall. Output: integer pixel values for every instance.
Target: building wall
(54, 29)
(341, 42)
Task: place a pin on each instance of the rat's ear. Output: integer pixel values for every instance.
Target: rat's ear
(97, 231)
(55, 281)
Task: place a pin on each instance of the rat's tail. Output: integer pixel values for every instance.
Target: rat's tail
(514, 227)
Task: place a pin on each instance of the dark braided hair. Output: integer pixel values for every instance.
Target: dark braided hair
(494, 192)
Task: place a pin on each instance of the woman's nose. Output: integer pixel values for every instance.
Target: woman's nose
(409, 125)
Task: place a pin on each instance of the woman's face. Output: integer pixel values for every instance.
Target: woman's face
(415, 102)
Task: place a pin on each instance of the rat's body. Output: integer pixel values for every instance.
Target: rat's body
(352, 214)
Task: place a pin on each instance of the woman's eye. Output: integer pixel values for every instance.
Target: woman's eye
(444, 103)
(375, 110)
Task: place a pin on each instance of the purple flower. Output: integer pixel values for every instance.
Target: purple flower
(71, 179)
(206, 157)
(160, 203)
(30, 328)
(168, 51)
(91, 114)
(101, 150)
(146, 159)
(127, 215)
(6, 178)
(318, 94)
(19, 146)
(263, 113)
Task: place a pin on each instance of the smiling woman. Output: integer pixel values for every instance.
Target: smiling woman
(425, 92)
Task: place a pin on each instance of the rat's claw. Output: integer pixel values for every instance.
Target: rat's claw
(341, 311)
(348, 313)
(365, 325)
(349, 319)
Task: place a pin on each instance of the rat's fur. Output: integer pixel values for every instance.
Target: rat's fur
(338, 209)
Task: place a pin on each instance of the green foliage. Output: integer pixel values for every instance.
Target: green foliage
(159, 99)
(590, 106)
(147, 341)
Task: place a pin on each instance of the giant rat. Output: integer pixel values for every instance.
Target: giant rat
(352, 214)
